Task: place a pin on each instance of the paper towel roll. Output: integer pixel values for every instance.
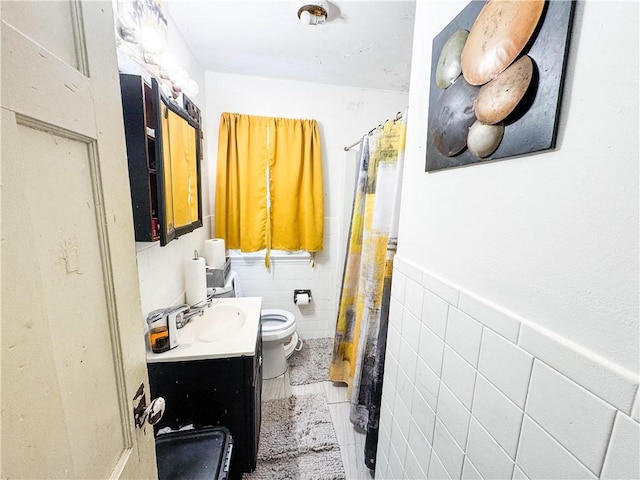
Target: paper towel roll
(195, 274)
(215, 252)
(302, 299)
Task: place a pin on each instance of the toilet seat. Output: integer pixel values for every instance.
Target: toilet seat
(277, 324)
(279, 339)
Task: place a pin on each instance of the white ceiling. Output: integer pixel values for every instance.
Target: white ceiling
(363, 43)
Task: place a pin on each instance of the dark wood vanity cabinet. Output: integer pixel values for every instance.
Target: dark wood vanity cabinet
(219, 392)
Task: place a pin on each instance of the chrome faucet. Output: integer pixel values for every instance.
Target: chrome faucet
(195, 310)
(178, 315)
(185, 317)
(166, 312)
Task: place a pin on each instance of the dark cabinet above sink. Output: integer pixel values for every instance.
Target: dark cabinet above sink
(164, 153)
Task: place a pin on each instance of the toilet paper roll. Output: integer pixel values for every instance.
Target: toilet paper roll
(215, 252)
(195, 275)
(303, 299)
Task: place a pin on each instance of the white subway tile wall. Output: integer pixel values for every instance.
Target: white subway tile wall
(519, 474)
(459, 376)
(396, 465)
(623, 456)
(449, 452)
(436, 469)
(412, 468)
(400, 428)
(506, 366)
(434, 313)
(635, 411)
(431, 349)
(404, 392)
(423, 418)
(426, 384)
(541, 456)
(499, 415)
(408, 359)
(413, 297)
(438, 287)
(463, 335)
(610, 382)
(469, 472)
(485, 453)
(487, 394)
(411, 329)
(424, 421)
(490, 315)
(276, 285)
(454, 415)
(579, 420)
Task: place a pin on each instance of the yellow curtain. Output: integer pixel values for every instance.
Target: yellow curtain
(269, 184)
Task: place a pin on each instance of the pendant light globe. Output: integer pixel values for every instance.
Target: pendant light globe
(312, 12)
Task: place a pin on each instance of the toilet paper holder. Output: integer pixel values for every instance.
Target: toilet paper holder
(301, 292)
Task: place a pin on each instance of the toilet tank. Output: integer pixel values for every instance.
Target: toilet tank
(229, 289)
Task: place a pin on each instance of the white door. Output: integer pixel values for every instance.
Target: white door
(72, 337)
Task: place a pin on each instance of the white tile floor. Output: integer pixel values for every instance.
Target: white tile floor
(350, 440)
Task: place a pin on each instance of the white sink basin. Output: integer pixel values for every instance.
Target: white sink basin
(229, 328)
(218, 324)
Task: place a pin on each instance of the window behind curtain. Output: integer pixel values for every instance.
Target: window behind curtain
(269, 184)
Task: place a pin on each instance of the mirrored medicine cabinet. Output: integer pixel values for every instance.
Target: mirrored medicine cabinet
(164, 152)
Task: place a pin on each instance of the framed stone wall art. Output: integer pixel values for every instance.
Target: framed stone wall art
(497, 75)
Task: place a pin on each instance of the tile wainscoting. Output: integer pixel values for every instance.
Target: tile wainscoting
(474, 391)
(276, 284)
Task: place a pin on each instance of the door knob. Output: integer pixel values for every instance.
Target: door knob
(142, 413)
(154, 412)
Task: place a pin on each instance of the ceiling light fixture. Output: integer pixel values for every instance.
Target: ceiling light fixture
(146, 45)
(313, 13)
(150, 40)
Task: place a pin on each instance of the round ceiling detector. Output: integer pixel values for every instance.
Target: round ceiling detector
(313, 13)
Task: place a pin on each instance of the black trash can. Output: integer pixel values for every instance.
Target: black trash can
(203, 454)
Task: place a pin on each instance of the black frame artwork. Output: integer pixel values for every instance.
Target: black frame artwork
(533, 126)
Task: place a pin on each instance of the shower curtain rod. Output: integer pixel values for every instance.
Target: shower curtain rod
(396, 118)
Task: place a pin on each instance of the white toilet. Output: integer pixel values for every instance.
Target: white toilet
(279, 340)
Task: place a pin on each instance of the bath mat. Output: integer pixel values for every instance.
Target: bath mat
(311, 364)
(297, 441)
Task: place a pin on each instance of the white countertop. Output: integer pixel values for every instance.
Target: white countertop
(241, 343)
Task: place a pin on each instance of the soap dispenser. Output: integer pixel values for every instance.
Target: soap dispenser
(163, 330)
(173, 315)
